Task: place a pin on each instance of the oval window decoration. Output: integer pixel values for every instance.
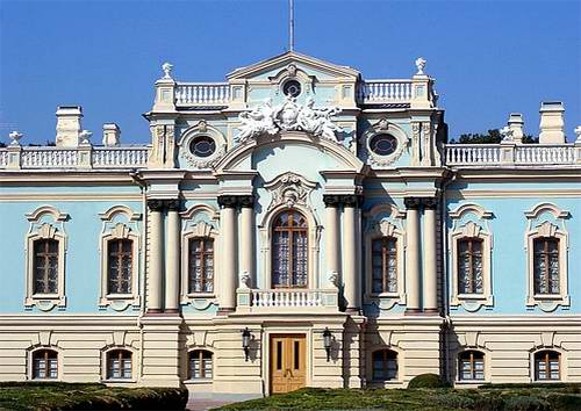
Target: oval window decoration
(203, 146)
(383, 144)
(291, 88)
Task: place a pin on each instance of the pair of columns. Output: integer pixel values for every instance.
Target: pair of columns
(351, 216)
(164, 280)
(422, 291)
(230, 204)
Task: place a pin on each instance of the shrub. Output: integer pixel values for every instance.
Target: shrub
(428, 381)
(522, 403)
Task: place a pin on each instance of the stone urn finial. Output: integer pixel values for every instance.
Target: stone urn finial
(577, 132)
(420, 64)
(167, 67)
(15, 136)
(85, 137)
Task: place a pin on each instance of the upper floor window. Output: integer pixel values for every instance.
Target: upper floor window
(546, 265)
(289, 250)
(471, 365)
(201, 265)
(45, 364)
(119, 364)
(119, 266)
(384, 365)
(547, 366)
(200, 365)
(46, 266)
(384, 265)
(470, 272)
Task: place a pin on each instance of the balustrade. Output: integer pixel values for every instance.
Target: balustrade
(478, 155)
(3, 158)
(385, 91)
(286, 298)
(192, 94)
(120, 156)
(544, 154)
(48, 157)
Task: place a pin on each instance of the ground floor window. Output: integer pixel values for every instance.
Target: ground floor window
(119, 364)
(45, 364)
(471, 365)
(200, 365)
(384, 365)
(547, 366)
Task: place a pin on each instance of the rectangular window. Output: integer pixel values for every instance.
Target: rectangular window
(46, 256)
(471, 365)
(546, 265)
(200, 365)
(120, 266)
(470, 276)
(201, 265)
(384, 265)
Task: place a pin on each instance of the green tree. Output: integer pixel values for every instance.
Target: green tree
(493, 136)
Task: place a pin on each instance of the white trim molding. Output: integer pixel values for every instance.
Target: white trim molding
(46, 222)
(120, 222)
(471, 220)
(546, 220)
(199, 221)
(385, 221)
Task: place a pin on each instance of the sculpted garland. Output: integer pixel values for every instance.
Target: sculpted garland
(288, 116)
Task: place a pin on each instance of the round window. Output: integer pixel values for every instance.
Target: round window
(291, 88)
(203, 146)
(383, 144)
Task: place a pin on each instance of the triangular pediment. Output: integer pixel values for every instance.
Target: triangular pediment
(280, 62)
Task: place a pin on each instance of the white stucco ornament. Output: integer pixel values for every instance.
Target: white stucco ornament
(15, 136)
(506, 133)
(420, 64)
(577, 132)
(167, 67)
(85, 137)
(288, 116)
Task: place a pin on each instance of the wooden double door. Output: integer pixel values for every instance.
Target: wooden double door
(288, 358)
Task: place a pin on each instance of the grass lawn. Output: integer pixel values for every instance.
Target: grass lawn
(48, 396)
(424, 399)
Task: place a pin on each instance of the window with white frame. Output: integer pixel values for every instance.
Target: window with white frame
(201, 265)
(119, 266)
(200, 365)
(547, 366)
(119, 364)
(384, 265)
(290, 250)
(45, 364)
(46, 266)
(546, 245)
(469, 260)
(471, 366)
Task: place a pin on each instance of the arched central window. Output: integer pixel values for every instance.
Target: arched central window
(289, 250)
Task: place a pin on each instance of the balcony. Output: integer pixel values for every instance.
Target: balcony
(384, 91)
(287, 300)
(202, 94)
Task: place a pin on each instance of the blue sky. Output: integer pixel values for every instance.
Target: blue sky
(489, 58)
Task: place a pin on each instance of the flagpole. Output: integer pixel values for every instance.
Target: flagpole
(291, 28)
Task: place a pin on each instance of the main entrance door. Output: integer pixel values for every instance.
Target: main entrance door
(287, 362)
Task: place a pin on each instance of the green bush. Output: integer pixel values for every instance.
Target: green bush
(528, 403)
(569, 387)
(428, 381)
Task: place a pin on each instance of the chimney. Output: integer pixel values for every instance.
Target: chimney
(552, 123)
(68, 125)
(515, 124)
(111, 134)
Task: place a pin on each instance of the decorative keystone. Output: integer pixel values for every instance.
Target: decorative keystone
(15, 136)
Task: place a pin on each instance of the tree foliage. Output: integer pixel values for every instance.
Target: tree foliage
(493, 136)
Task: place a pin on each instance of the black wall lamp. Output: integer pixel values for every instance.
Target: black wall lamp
(246, 343)
(327, 342)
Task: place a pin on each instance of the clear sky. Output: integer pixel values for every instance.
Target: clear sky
(489, 58)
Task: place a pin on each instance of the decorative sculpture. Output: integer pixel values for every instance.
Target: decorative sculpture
(15, 136)
(167, 67)
(506, 133)
(577, 132)
(85, 137)
(420, 64)
(289, 116)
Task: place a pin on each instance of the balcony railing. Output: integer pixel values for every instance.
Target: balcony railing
(479, 155)
(22, 157)
(287, 300)
(202, 94)
(384, 91)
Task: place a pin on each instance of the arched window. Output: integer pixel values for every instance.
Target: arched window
(470, 273)
(289, 250)
(45, 364)
(46, 269)
(119, 266)
(200, 365)
(119, 364)
(201, 265)
(384, 365)
(546, 265)
(384, 265)
(471, 365)
(547, 366)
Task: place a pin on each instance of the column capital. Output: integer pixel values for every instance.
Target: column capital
(173, 205)
(430, 203)
(352, 200)
(246, 201)
(412, 203)
(332, 200)
(227, 201)
(155, 204)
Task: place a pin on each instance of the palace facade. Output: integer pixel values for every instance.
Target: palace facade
(296, 225)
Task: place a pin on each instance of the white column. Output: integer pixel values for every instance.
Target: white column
(331, 236)
(351, 290)
(430, 288)
(155, 274)
(413, 281)
(172, 259)
(246, 238)
(228, 254)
